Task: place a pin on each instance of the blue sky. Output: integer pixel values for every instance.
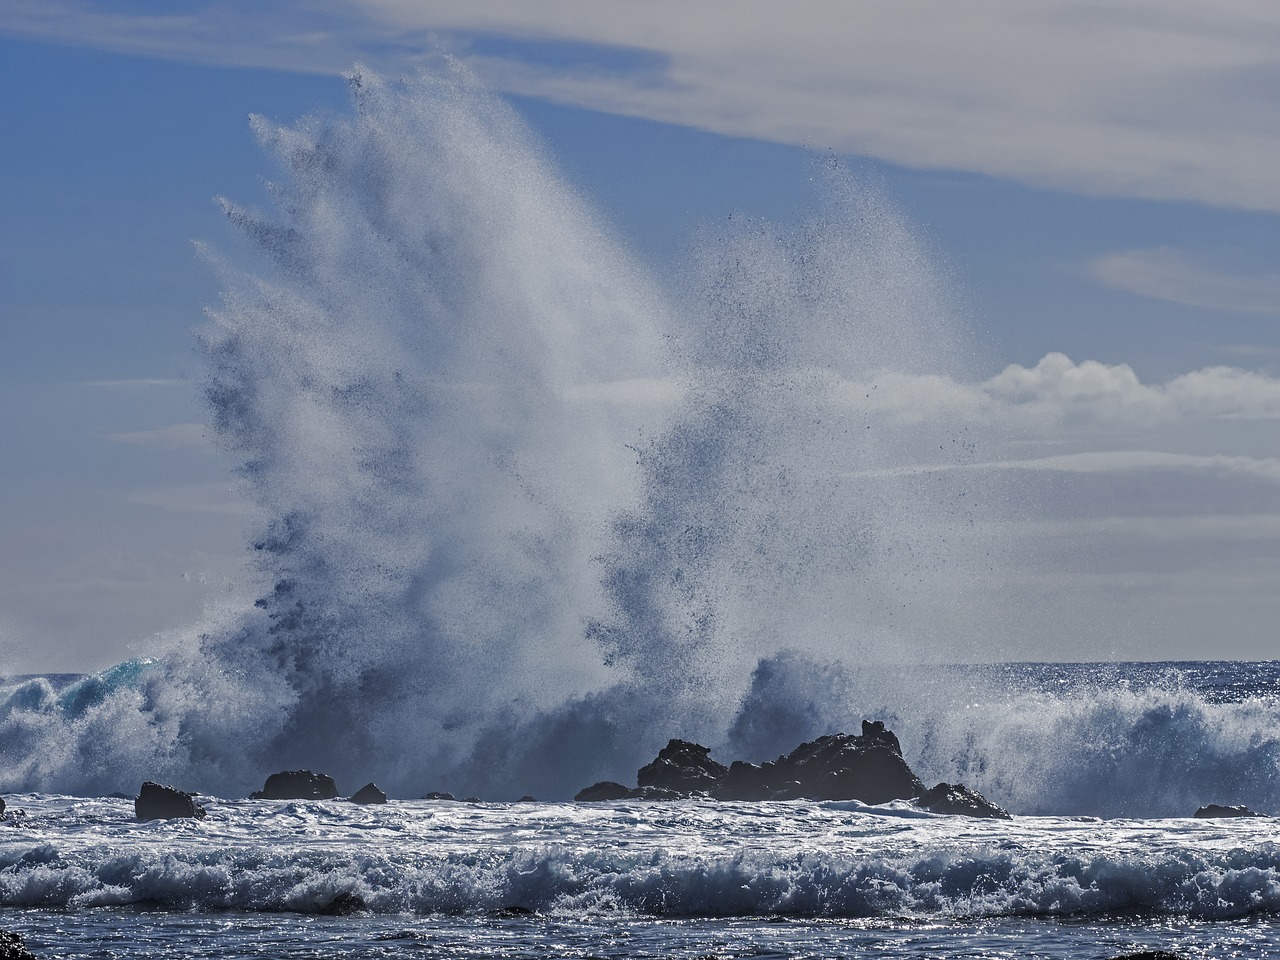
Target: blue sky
(1098, 181)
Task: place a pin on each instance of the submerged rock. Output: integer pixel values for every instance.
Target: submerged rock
(157, 802)
(369, 793)
(604, 790)
(1214, 810)
(13, 947)
(959, 800)
(297, 785)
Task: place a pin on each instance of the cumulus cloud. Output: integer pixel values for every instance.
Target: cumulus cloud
(1169, 100)
(1172, 275)
(1059, 391)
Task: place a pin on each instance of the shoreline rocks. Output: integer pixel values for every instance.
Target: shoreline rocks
(369, 793)
(297, 785)
(13, 947)
(1214, 811)
(868, 767)
(958, 800)
(158, 802)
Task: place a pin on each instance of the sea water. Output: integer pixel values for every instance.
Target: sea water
(80, 877)
(528, 511)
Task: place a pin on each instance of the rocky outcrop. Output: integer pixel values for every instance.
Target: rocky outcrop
(682, 767)
(1, 808)
(369, 793)
(959, 800)
(157, 802)
(13, 947)
(438, 795)
(1213, 810)
(604, 790)
(868, 767)
(297, 785)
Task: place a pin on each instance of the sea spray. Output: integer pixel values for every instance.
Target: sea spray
(530, 513)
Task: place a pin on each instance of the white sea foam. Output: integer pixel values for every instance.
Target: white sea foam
(672, 859)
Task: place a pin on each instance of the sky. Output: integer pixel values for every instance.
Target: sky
(1096, 181)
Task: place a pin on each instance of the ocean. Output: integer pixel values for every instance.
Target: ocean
(80, 877)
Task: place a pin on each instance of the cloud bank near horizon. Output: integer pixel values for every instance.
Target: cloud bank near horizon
(1168, 101)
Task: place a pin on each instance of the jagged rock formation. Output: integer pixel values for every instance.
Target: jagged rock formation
(438, 795)
(369, 793)
(1214, 810)
(682, 767)
(157, 802)
(868, 767)
(297, 785)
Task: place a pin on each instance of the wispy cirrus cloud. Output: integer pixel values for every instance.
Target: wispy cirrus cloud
(1167, 101)
(1175, 276)
(171, 436)
(137, 384)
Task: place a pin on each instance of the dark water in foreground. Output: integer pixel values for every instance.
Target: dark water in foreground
(158, 934)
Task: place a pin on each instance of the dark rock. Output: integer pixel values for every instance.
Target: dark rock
(656, 793)
(470, 799)
(297, 785)
(369, 793)
(868, 767)
(746, 781)
(683, 767)
(844, 767)
(343, 905)
(438, 795)
(156, 802)
(526, 799)
(604, 790)
(13, 947)
(1214, 810)
(1, 806)
(959, 800)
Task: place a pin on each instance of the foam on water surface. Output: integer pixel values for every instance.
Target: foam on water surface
(678, 859)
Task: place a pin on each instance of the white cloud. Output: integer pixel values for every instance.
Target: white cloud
(1169, 100)
(1167, 274)
(1124, 461)
(1058, 391)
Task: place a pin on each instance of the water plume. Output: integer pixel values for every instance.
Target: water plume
(530, 511)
